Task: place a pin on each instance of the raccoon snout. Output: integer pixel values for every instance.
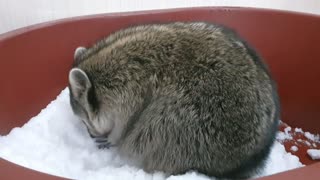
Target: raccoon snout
(103, 126)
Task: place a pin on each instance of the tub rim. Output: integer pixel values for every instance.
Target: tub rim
(307, 172)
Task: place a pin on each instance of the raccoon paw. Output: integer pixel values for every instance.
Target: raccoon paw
(103, 143)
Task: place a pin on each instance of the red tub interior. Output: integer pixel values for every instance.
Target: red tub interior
(34, 63)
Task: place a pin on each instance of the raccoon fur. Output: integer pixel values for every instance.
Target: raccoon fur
(178, 97)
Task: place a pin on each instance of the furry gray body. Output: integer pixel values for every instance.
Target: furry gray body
(178, 97)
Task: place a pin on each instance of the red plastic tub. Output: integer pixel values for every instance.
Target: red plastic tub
(34, 65)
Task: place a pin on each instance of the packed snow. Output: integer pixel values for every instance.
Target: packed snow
(283, 136)
(312, 137)
(294, 148)
(314, 153)
(314, 145)
(298, 130)
(56, 142)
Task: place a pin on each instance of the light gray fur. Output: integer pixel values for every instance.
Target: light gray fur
(178, 97)
(78, 52)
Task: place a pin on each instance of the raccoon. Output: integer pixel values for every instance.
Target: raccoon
(178, 97)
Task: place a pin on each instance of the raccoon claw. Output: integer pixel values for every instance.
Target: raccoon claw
(100, 140)
(102, 143)
(105, 145)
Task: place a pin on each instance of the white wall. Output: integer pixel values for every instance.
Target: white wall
(18, 13)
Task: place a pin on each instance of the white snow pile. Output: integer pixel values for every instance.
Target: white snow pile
(294, 148)
(56, 142)
(288, 134)
(312, 137)
(314, 153)
(283, 136)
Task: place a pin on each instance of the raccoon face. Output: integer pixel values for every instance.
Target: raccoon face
(85, 105)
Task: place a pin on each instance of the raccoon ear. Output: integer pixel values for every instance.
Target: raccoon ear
(79, 82)
(80, 50)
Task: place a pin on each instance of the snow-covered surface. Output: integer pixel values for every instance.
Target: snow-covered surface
(311, 140)
(314, 153)
(312, 137)
(294, 148)
(56, 142)
(283, 136)
(298, 130)
(314, 145)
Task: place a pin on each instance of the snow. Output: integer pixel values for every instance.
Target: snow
(314, 145)
(314, 153)
(307, 143)
(287, 129)
(56, 142)
(282, 136)
(287, 135)
(294, 148)
(280, 160)
(311, 137)
(298, 130)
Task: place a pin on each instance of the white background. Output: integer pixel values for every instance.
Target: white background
(19, 13)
